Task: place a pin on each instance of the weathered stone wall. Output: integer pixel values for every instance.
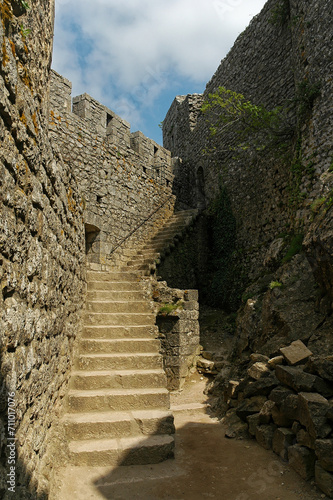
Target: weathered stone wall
(177, 321)
(269, 194)
(41, 255)
(125, 179)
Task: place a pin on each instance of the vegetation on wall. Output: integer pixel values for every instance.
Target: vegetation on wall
(255, 126)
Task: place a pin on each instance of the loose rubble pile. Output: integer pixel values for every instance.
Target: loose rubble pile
(286, 403)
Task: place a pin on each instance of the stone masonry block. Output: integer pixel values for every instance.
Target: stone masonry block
(257, 370)
(296, 353)
(264, 435)
(324, 480)
(191, 295)
(324, 452)
(312, 410)
(299, 380)
(282, 439)
(302, 460)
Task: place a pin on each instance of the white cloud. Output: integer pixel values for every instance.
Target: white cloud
(132, 51)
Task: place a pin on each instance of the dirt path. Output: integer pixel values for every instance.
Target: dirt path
(206, 466)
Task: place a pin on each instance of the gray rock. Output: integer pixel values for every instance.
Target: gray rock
(324, 452)
(282, 439)
(324, 480)
(264, 435)
(302, 460)
(250, 406)
(253, 422)
(312, 410)
(263, 386)
(265, 414)
(257, 370)
(299, 380)
(296, 353)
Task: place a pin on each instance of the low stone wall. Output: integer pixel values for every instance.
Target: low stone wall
(177, 320)
(286, 403)
(125, 179)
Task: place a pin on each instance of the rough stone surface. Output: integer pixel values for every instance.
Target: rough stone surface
(282, 439)
(302, 460)
(324, 452)
(312, 410)
(125, 179)
(324, 480)
(296, 353)
(42, 252)
(264, 435)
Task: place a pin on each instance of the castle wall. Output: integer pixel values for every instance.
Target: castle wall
(268, 195)
(125, 179)
(41, 256)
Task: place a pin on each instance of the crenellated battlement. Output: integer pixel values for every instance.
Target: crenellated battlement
(111, 128)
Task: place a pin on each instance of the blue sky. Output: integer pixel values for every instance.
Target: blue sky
(135, 56)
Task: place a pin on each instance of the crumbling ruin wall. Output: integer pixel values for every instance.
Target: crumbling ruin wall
(125, 178)
(41, 255)
(277, 61)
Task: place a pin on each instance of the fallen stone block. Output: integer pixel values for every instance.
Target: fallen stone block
(324, 452)
(257, 370)
(312, 411)
(253, 422)
(289, 407)
(250, 406)
(265, 414)
(230, 390)
(263, 386)
(324, 480)
(296, 378)
(279, 394)
(258, 358)
(279, 418)
(322, 366)
(302, 460)
(296, 353)
(278, 360)
(304, 439)
(264, 435)
(282, 439)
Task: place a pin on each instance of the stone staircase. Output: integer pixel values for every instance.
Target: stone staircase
(145, 260)
(118, 404)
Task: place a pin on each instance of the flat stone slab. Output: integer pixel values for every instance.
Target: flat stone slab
(296, 353)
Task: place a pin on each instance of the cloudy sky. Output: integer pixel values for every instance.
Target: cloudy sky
(135, 56)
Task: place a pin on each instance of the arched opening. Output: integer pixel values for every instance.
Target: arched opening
(93, 243)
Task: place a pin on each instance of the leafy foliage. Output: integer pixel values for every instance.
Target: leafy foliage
(295, 247)
(255, 126)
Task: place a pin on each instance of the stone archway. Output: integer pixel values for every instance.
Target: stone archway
(93, 243)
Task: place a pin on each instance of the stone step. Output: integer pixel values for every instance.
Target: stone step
(117, 379)
(114, 346)
(110, 276)
(119, 295)
(117, 306)
(101, 400)
(119, 331)
(124, 451)
(114, 286)
(129, 361)
(117, 424)
(125, 319)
